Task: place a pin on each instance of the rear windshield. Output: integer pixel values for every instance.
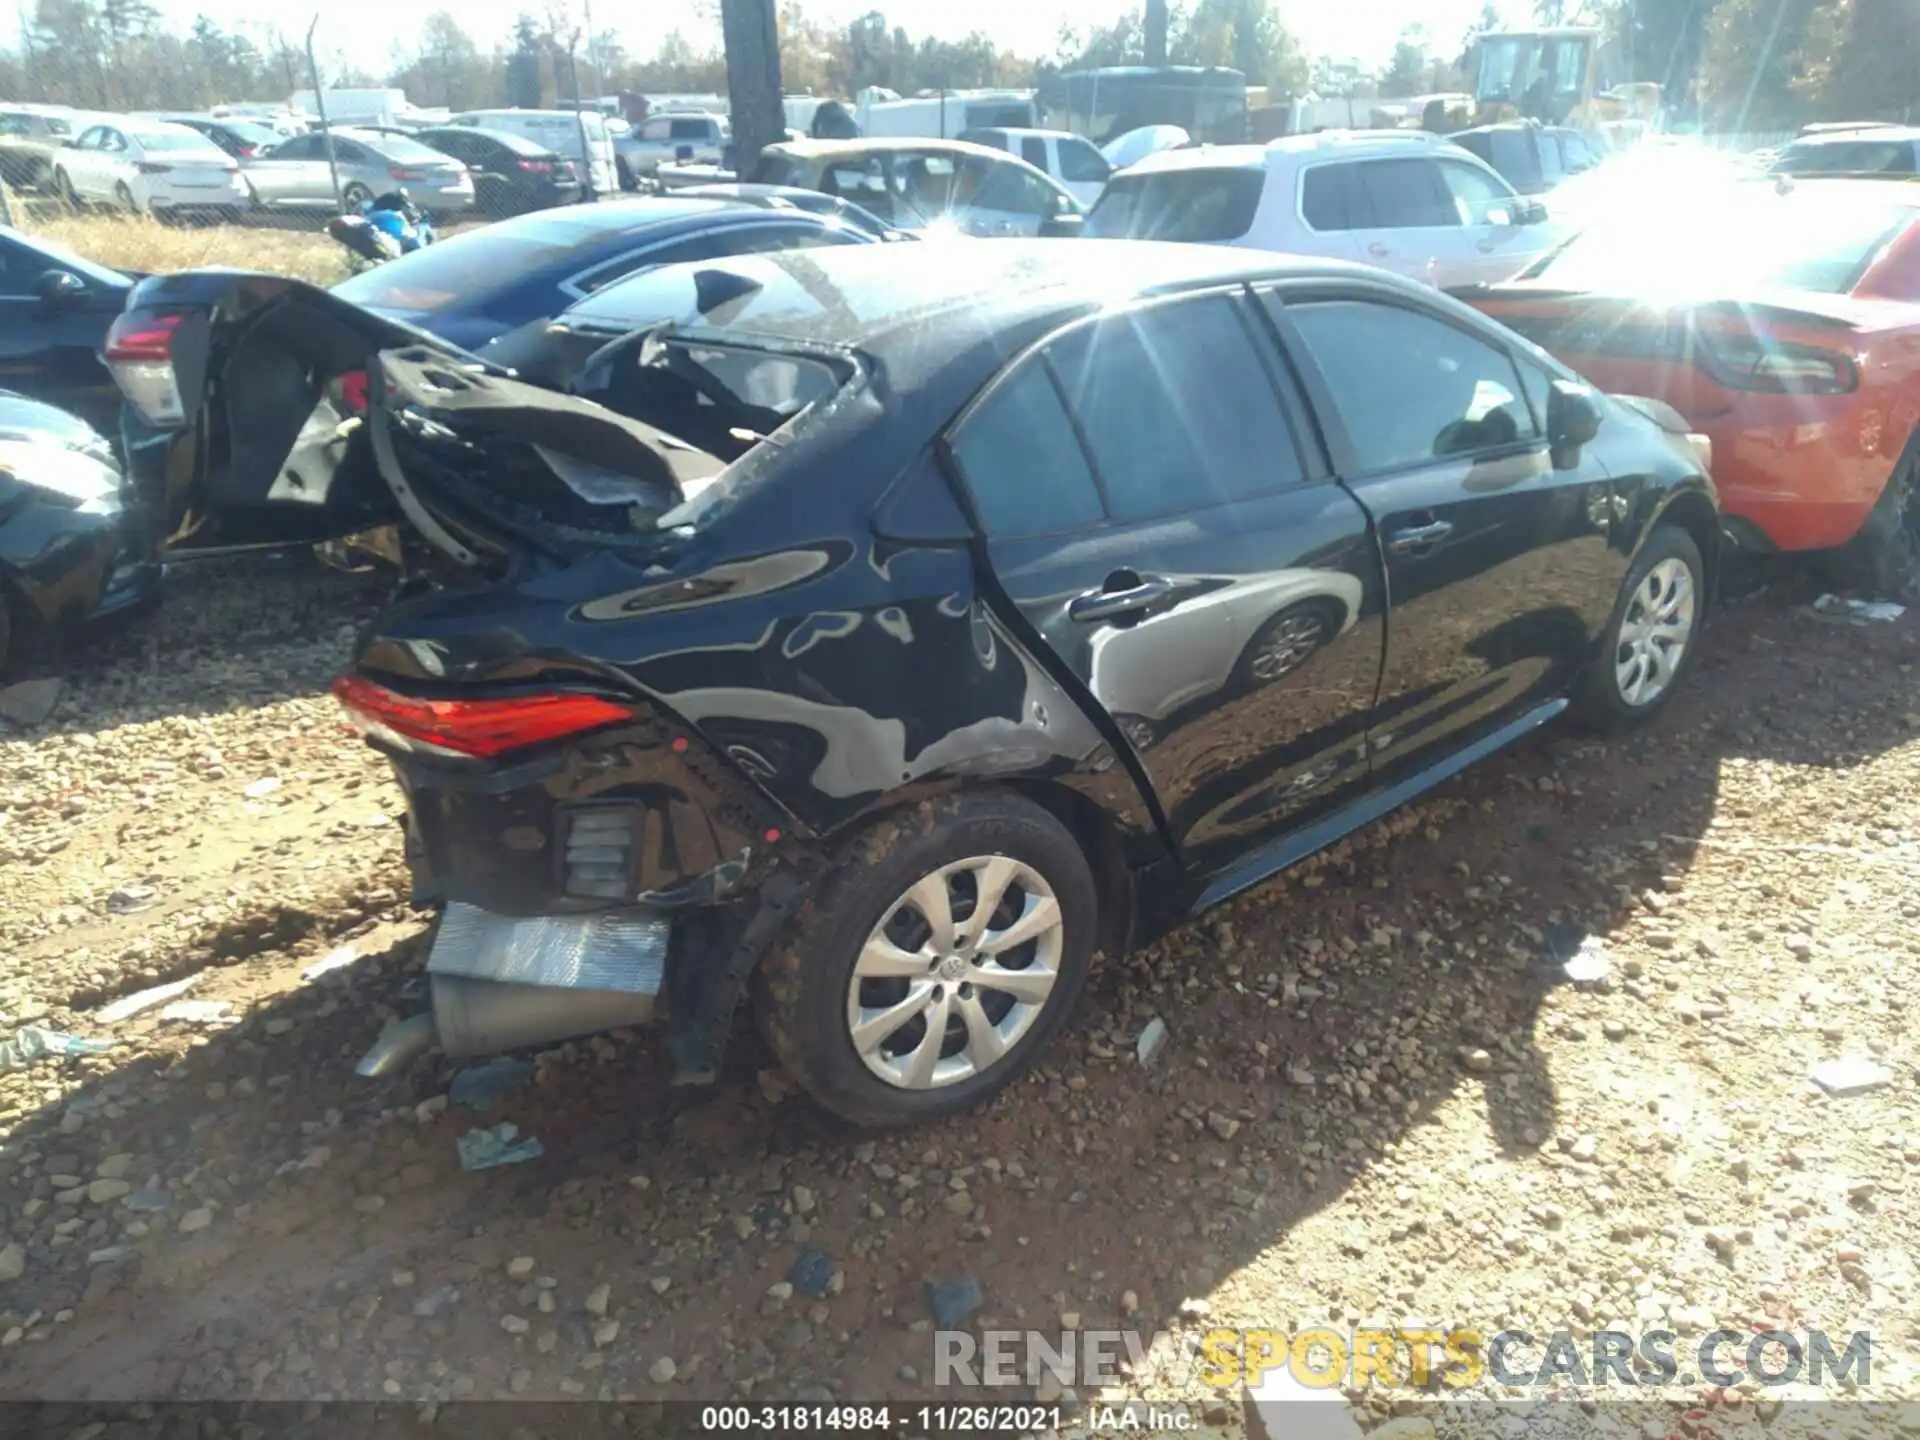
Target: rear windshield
(1198, 205)
(398, 147)
(471, 266)
(250, 134)
(1795, 243)
(182, 139)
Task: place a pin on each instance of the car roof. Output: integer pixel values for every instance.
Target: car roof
(1027, 132)
(1851, 136)
(1357, 144)
(811, 149)
(1822, 189)
(892, 299)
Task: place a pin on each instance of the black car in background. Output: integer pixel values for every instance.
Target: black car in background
(887, 628)
(54, 311)
(511, 175)
(242, 139)
(1531, 157)
(71, 547)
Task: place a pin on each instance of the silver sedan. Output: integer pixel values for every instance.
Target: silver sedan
(295, 175)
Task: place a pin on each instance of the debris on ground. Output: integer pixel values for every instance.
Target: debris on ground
(28, 702)
(1855, 1076)
(1856, 612)
(128, 1006)
(1153, 1037)
(337, 958)
(486, 1149)
(130, 900)
(480, 1087)
(199, 1012)
(812, 1273)
(1579, 957)
(952, 1301)
(33, 1044)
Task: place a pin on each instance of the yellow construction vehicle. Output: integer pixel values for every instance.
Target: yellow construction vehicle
(1557, 76)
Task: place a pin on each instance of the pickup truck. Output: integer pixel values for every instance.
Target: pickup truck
(696, 138)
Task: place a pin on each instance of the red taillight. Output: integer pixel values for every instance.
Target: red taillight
(139, 353)
(353, 391)
(405, 172)
(1744, 361)
(477, 728)
(245, 152)
(151, 167)
(538, 167)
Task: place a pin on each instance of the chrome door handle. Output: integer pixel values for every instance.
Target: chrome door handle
(1097, 605)
(1419, 537)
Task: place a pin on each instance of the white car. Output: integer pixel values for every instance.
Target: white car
(1403, 200)
(150, 167)
(1072, 161)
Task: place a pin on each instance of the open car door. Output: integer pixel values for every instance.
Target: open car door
(264, 411)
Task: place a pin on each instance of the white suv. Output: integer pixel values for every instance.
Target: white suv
(1404, 200)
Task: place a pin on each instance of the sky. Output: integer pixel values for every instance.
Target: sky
(366, 31)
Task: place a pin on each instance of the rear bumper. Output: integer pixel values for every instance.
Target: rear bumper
(1804, 470)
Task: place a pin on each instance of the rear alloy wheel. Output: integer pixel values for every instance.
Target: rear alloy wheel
(1883, 560)
(1285, 643)
(123, 199)
(945, 952)
(1650, 640)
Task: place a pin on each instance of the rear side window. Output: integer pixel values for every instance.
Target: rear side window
(1411, 389)
(1194, 205)
(1177, 408)
(1022, 463)
(1033, 150)
(1376, 195)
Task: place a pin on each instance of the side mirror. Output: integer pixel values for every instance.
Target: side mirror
(1573, 419)
(1530, 212)
(1063, 225)
(61, 289)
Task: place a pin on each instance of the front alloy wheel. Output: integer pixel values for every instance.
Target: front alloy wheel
(944, 951)
(956, 973)
(1655, 633)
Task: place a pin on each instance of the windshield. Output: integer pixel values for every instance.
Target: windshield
(1542, 76)
(1848, 157)
(1192, 205)
(1796, 245)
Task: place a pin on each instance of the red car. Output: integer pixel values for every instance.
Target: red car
(1785, 326)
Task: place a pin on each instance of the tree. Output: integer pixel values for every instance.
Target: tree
(1408, 72)
(1767, 62)
(1877, 62)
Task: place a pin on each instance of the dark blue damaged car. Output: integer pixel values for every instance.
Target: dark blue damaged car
(871, 634)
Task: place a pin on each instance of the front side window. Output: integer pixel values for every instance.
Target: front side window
(1007, 188)
(1400, 194)
(1410, 389)
(1479, 199)
(1177, 408)
(1021, 463)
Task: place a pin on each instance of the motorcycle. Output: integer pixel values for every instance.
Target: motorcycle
(387, 227)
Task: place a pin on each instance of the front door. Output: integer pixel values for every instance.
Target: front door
(1500, 570)
(1496, 246)
(1197, 578)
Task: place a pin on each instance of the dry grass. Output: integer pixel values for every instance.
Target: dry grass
(135, 242)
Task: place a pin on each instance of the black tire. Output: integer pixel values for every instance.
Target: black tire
(63, 188)
(804, 989)
(1603, 704)
(123, 199)
(1883, 560)
(9, 633)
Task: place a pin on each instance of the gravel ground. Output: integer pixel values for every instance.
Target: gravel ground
(1381, 1097)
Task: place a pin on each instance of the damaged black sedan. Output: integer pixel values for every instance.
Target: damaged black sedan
(880, 632)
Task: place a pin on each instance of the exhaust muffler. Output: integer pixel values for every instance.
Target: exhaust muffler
(505, 983)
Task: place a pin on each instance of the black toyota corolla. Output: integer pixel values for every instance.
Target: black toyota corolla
(889, 628)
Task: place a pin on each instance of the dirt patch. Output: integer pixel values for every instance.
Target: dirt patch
(1381, 1096)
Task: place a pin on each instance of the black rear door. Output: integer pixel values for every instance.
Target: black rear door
(1500, 569)
(1190, 566)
